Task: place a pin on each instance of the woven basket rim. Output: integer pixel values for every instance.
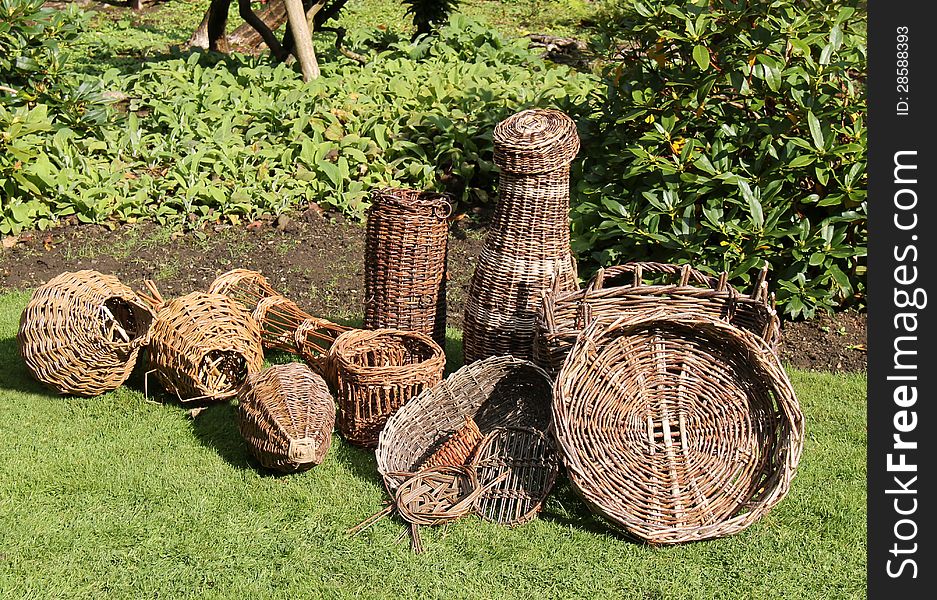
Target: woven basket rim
(410, 199)
(357, 338)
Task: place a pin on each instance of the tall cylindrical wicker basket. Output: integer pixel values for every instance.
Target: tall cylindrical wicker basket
(527, 248)
(405, 262)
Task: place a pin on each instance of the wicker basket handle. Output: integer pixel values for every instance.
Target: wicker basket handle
(683, 275)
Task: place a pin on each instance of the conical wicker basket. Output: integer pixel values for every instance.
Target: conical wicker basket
(203, 347)
(527, 248)
(375, 373)
(621, 291)
(500, 391)
(284, 325)
(286, 415)
(677, 428)
(81, 332)
(405, 262)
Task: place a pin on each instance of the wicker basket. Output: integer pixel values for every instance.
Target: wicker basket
(375, 373)
(527, 247)
(80, 333)
(526, 463)
(203, 347)
(621, 291)
(284, 325)
(286, 415)
(677, 429)
(405, 262)
(494, 392)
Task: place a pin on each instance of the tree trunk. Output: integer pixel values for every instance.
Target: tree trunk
(211, 31)
(246, 38)
(302, 37)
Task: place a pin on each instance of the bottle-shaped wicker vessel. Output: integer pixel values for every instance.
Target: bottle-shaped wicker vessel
(527, 247)
(405, 262)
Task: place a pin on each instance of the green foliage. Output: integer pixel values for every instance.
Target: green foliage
(731, 133)
(208, 138)
(429, 14)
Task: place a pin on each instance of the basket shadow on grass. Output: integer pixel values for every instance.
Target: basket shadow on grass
(13, 373)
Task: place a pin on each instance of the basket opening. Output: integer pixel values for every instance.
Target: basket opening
(121, 321)
(392, 352)
(222, 371)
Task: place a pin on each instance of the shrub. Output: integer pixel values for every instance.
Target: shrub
(729, 134)
(207, 138)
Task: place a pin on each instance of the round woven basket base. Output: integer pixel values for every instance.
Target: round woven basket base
(677, 431)
(531, 463)
(437, 495)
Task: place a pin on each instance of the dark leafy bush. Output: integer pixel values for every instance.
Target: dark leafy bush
(429, 14)
(729, 134)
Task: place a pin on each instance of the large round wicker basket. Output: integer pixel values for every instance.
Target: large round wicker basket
(405, 262)
(375, 373)
(527, 247)
(678, 428)
(621, 291)
(203, 347)
(286, 415)
(80, 333)
(500, 391)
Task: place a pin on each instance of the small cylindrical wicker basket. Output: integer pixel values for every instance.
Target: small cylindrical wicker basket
(677, 428)
(375, 373)
(405, 262)
(286, 415)
(81, 332)
(527, 247)
(203, 347)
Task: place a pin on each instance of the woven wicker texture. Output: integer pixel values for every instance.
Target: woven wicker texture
(677, 428)
(405, 262)
(80, 333)
(527, 463)
(622, 290)
(375, 373)
(437, 495)
(494, 392)
(203, 347)
(284, 325)
(527, 247)
(286, 415)
(458, 449)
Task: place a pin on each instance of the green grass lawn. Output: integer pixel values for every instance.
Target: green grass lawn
(121, 497)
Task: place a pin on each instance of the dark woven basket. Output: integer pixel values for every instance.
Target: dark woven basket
(81, 332)
(527, 247)
(203, 347)
(375, 373)
(284, 325)
(527, 464)
(495, 392)
(405, 262)
(622, 291)
(677, 429)
(286, 415)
